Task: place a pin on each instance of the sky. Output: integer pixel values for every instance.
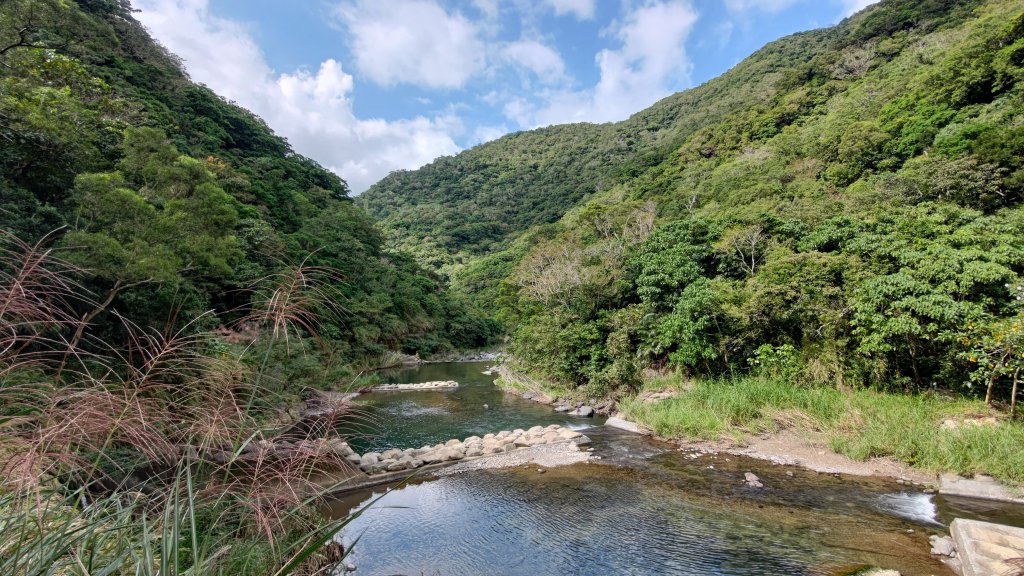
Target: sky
(366, 87)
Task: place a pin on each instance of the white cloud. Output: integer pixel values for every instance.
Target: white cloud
(531, 55)
(763, 5)
(313, 110)
(582, 9)
(412, 42)
(853, 6)
(651, 64)
(489, 8)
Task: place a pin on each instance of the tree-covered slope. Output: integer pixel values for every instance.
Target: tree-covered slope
(175, 201)
(844, 206)
(476, 202)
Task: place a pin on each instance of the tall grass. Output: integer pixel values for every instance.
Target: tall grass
(146, 457)
(928, 431)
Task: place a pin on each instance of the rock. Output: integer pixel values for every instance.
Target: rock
(623, 424)
(341, 448)
(583, 412)
(369, 459)
(562, 408)
(518, 431)
(393, 454)
(942, 546)
(523, 441)
(488, 436)
(752, 480)
(540, 470)
(451, 443)
(473, 439)
(350, 567)
(354, 459)
(503, 434)
(432, 457)
(567, 434)
(535, 430)
(550, 437)
(474, 451)
(398, 465)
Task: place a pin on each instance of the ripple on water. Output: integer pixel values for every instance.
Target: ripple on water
(590, 519)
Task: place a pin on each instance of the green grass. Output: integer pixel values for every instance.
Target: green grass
(860, 424)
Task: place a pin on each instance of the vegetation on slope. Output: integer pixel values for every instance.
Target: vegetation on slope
(175, 199)
(171, 274)
(845, 203)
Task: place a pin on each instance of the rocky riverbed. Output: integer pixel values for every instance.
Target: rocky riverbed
(503, 442)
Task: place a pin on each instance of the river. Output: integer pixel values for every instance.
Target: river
(644, 508)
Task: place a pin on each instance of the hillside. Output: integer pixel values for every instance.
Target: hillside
(843, 206)
(176, 201)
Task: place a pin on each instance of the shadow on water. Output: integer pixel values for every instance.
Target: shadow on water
(644, 508)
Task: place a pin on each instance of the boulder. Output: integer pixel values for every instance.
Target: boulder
(393, 454)
(399, 465)
(369, 459)
(451, 443)
(474, 451)
(567, 434)
(535, 430)
(431, 457)
(752, 480)
(550, 437)
(583, 412)
(563, 408)
(942, 546)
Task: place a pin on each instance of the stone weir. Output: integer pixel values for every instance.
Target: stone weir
(395, 460)
(422, 386)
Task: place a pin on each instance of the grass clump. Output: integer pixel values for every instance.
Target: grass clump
(928, 431)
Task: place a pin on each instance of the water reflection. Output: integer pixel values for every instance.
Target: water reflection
(477, 407)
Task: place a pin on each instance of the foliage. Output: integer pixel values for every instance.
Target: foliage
(848, 196)
(174, 199)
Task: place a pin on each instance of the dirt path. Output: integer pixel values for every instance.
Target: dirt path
(812, 452)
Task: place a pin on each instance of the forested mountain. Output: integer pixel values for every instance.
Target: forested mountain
(843, 206)
(176, 201)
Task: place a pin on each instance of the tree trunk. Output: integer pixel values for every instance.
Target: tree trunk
(1013, 395)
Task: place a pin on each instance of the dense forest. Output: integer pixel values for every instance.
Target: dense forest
(843, 207)
(174, 280)
(175, 201)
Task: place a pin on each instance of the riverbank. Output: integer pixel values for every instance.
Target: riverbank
(862, 432)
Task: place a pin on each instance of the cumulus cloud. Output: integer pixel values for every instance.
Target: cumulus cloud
(650, 64)
(412, 42)
(763, 5)
(312, 109)
(853, 6)
(535, 57)
(582, 9)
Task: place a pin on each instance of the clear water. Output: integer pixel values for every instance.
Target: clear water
(644, 508)
(477, 407)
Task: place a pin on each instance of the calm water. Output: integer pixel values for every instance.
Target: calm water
(477, 407)
(645, 508)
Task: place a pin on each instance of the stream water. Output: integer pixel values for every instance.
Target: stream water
(644, 508)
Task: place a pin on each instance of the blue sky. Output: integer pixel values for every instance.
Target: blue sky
(370, 86)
